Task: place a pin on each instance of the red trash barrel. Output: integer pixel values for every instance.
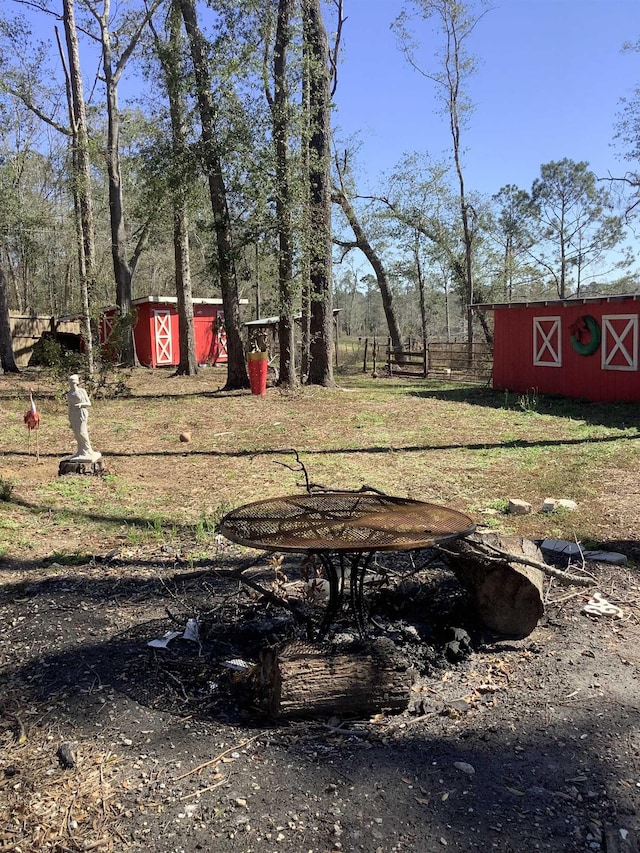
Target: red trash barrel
(258, 363)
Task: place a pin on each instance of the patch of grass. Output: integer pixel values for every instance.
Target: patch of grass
(501, 505)
(63, 559)
(460, 445)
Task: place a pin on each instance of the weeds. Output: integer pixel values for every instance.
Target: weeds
(205, 531)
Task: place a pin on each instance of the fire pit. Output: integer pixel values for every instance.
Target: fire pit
(343, 530)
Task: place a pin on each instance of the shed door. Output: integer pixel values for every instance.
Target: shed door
(162, 337)
(106, 322)
(222, 354)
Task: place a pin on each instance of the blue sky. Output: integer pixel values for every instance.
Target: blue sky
(550, 79)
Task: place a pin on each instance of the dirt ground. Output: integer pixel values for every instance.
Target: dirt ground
(110, 744)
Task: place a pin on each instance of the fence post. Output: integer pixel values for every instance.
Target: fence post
(364, 363)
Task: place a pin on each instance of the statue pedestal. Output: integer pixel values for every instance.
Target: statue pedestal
(73, 464)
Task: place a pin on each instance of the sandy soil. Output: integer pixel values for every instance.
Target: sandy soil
(109, 744)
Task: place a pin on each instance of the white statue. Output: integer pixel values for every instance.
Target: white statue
(79, 403)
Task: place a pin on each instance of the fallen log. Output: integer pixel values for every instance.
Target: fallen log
(303, 680)
(501, 574)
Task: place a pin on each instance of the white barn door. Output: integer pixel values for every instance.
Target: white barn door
(163, 341)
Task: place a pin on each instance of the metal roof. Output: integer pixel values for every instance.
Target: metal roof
(174, 299)
(566, 303)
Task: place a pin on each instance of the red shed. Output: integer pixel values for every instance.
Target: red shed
(156, 330)
(585, 348)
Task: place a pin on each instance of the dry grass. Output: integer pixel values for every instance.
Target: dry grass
(464, 446)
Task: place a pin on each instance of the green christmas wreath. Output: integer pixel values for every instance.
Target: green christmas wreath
(585, 335)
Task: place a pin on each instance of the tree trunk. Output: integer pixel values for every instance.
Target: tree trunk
(508, 595)
(372, 256)
(281, 108)
(7, 358)
(121, 269)
(305, 260)
(303, 680)
(237, 376)
(188, 365)
(81, 180)
(169, 55)
(321, 307)
(422, 299)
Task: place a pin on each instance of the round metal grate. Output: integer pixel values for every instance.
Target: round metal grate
(343, 522)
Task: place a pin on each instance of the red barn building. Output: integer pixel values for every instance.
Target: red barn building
(584, 348)
(156, 330)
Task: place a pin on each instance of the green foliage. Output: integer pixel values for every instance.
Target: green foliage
(205, 530)
(62, 361)
(576, 226)
(501, 505)
(6, 489)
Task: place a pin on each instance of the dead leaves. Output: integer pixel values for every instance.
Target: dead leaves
(47, 808)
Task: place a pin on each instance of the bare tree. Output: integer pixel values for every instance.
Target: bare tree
(341, 197)
(170, 55)
(112, 69)
(77, 133)
(237, 376)
(81, 180)
(456, 24)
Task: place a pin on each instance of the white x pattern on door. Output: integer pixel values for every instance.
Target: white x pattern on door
(107, 327)
(546, 342)
(163, 340)
(620, 342)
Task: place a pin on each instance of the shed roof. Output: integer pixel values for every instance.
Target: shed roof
(174, 299)
(565, 303)
(273, 321)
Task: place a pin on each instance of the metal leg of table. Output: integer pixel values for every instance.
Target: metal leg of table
(335, 566)
(359, 565)
(336, 592)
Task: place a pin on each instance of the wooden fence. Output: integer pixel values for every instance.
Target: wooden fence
(26, 331)
(442, 361)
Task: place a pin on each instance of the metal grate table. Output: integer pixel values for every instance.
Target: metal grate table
(344, 530)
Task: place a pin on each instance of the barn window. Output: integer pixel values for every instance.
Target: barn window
(546, 342)
(620, 342)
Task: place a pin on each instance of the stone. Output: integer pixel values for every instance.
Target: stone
(69, 465)
(518, 507)
(551, 504)
(560, 548)
(612, 557)
(565, 503)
